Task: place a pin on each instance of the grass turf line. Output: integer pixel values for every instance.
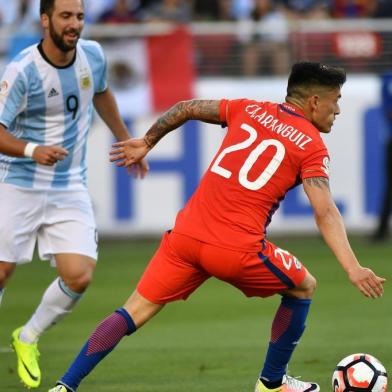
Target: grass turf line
(215, 341)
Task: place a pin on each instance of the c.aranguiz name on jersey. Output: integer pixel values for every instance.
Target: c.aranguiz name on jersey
(268, 121)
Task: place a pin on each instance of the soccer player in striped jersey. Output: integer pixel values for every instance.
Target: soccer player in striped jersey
(221, 232)
(47, 96)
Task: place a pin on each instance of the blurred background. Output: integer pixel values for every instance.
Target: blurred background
(162, 51)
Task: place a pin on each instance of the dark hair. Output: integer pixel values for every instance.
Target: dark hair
(305, 75)
(46, 7)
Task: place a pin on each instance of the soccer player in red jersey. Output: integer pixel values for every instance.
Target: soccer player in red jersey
(269, 148)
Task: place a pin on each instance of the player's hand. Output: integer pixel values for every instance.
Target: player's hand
(367, 282)
(130, 154)
(49, 155)
(139, 169)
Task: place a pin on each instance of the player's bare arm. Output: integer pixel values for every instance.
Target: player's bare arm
(203, 110)
(132, 151)
(107, 108)
(45, 155)
(320, 182)
(11, 145)
(332, 228)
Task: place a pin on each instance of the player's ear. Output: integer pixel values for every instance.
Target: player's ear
(313, 101)
(44, 21)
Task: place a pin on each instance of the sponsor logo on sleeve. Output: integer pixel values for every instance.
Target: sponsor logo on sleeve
(3, 90)
(326, 166)
(3, 87)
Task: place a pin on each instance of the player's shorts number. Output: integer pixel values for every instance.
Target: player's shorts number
(267, 173)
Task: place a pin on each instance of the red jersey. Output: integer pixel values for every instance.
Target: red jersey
(269, 148)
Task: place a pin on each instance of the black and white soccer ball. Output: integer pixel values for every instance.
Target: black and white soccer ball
(360, 373)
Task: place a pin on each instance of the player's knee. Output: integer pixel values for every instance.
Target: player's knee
(307, 288)
(310, 286)
(80, 282)
(6, 270)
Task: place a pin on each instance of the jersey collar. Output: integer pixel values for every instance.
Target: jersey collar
(291, 109)
(46, 58)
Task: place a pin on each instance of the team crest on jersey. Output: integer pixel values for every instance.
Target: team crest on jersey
(325, 167)
(85, 81)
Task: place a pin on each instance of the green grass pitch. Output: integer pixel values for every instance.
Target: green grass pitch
(215, 341)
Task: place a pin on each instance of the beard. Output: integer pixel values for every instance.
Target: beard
(59, 40)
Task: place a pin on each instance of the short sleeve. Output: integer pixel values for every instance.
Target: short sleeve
(13, 91)
(223, 110)
(316, 165)
(229, 107)
(98, 64)
(102, 84)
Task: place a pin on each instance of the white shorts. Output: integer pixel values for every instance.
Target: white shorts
(60, 221)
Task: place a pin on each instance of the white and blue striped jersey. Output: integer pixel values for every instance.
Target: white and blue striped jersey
(50, 105)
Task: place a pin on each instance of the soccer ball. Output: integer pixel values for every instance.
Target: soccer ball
(360, 373)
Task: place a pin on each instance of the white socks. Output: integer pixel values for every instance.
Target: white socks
(57, 301)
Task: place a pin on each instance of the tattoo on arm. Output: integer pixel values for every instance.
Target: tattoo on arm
(203, 110)
(320, 182)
